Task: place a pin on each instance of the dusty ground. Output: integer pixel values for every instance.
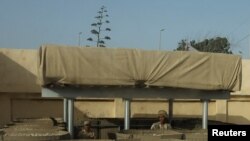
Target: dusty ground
(47, 127)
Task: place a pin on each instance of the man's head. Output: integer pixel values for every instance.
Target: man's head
(87, 125)
(162, 114)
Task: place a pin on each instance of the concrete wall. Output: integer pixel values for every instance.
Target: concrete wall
(13, 108)
(27, 106)
(234, 110)
(36, 108)
(5, 109)
(18, 71)
(20, 97)
(238, 109)
(245, 87)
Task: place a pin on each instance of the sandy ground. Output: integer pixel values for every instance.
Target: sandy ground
(47, 128)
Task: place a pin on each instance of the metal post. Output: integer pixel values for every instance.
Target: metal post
(127, 114)
(160, 39)
(170, 110)
(71, 117)
(79, 38)
(205, 114)
(65, 110)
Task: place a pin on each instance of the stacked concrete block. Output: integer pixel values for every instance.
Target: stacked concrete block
(35, 130)
(149, 135)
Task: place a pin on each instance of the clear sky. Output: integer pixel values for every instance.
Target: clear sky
(134, 23)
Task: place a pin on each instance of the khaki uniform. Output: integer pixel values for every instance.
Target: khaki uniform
(159, 126)
(83, 134)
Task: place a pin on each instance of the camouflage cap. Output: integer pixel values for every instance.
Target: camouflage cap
(87, 122)
(163, 113)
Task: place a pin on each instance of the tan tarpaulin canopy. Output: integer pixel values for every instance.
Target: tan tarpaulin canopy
(128, 67)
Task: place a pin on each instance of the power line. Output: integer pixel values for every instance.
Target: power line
(242, 39)
(238, 27)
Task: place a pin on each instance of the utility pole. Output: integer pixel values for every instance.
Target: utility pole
(249, 47)
(79, 38)
(160, 38)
